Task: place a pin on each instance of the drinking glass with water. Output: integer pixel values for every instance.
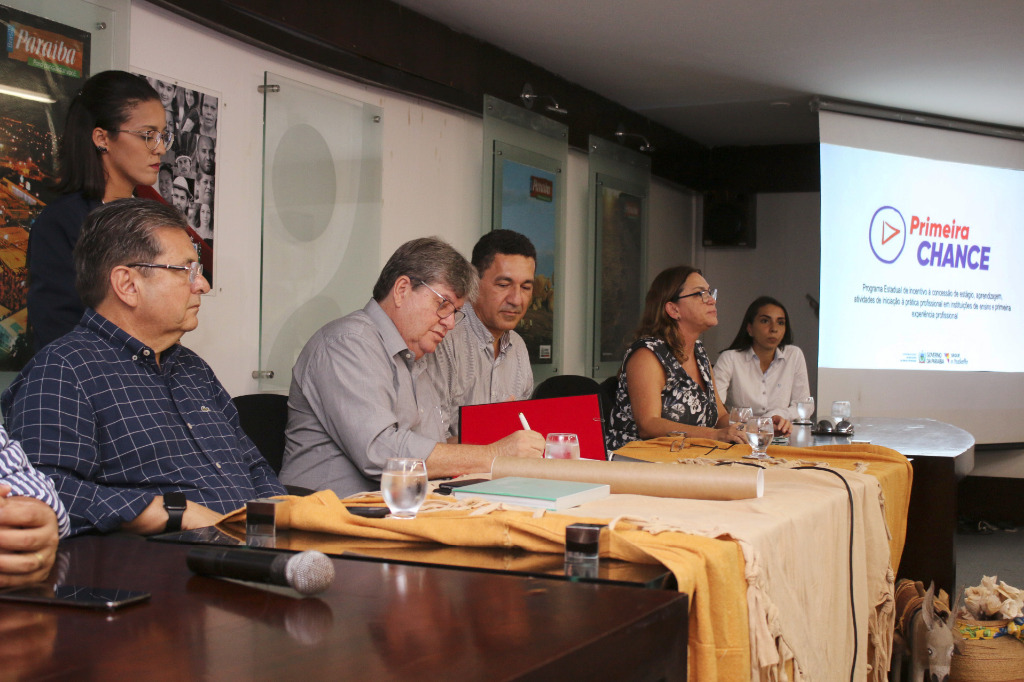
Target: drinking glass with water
(759, 433)
(561, 446)
(804, 410)
(741, 415)
(404, 486)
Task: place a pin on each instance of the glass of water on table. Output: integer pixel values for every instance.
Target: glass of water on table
(804, 410)
(404, 486)
(759, 433)
(561, 446)
(840, 411)
(741, 415)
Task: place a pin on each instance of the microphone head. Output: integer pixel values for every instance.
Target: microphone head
(309, 572)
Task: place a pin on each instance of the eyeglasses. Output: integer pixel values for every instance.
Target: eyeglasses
(152, 137)
(446, 308)
(706, 295)
(194, 269)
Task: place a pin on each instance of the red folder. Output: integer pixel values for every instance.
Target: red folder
(579, 414)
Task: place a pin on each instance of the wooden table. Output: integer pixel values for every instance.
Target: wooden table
(377, 621)
(941, 454)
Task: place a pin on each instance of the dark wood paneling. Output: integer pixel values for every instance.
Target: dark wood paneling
(768, 168)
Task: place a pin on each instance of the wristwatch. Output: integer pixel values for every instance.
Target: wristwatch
(175, 504)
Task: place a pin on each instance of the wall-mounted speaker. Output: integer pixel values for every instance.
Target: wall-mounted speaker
(730, 219)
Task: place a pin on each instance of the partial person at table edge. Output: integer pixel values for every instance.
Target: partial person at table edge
(361, 392)
(114, 136)
(666, 384)
(32, 518)
(762, 369)
(134, 429)
(483, 359)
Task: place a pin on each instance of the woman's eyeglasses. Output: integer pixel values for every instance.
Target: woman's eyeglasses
(706, 295)
(152, 137)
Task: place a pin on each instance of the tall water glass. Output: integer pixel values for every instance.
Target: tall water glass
(840, 411)
(804, 410)
(759, 433)
(404, 486)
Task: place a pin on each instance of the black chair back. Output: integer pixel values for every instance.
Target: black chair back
(565, 385)
(264, 417)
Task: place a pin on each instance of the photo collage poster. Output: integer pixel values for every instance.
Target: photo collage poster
(44, 64)
(187, 177)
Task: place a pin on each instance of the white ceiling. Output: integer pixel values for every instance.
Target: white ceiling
(740, 72)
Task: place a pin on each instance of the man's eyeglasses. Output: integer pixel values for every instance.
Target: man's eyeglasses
(194, 269)
(446, 308)
(152, 137)
(706, 295)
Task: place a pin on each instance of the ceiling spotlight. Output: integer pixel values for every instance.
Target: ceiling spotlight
(645, 147)
(529, 97)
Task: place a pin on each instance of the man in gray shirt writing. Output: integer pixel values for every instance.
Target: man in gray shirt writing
(360, 390)
(483, 360)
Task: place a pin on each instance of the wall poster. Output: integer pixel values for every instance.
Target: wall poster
(528, 207)
(188, 169)
(622, 250)
(43, 65)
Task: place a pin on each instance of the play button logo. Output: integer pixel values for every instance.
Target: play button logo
(887, 234)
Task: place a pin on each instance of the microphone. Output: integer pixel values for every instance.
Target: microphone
(307, 572)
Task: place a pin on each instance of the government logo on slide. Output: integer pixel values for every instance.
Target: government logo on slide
(888, 234)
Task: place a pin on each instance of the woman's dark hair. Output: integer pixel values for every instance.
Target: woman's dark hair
(743, 339)
(655, 320)
(105, 101)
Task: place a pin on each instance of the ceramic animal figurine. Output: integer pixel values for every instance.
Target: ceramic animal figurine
(922, 630)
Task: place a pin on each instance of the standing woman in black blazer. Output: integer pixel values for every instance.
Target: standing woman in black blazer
(113, 139)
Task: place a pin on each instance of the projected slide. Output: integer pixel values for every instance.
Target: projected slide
(921, 264)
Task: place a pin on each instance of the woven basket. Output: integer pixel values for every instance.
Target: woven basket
(988, 660)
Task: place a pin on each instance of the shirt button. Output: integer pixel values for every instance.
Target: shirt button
(188, 425)
(218, 465)
(135, 357)
(146, 352)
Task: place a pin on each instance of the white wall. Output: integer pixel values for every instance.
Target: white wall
(431, 184)
(785, 265)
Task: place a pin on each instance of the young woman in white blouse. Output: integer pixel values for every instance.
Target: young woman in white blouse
(761, 369)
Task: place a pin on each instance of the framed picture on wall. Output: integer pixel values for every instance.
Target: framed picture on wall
(526, 185)
(621, 246)
(44, 64)
(188, 169)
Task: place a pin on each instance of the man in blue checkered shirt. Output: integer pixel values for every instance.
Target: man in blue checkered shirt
(134, 429)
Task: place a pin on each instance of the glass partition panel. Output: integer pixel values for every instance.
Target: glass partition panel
(321, 217)
(524, 190)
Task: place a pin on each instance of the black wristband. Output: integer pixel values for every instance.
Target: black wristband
(174, 504)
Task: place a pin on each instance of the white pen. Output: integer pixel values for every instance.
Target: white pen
(522, 420)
